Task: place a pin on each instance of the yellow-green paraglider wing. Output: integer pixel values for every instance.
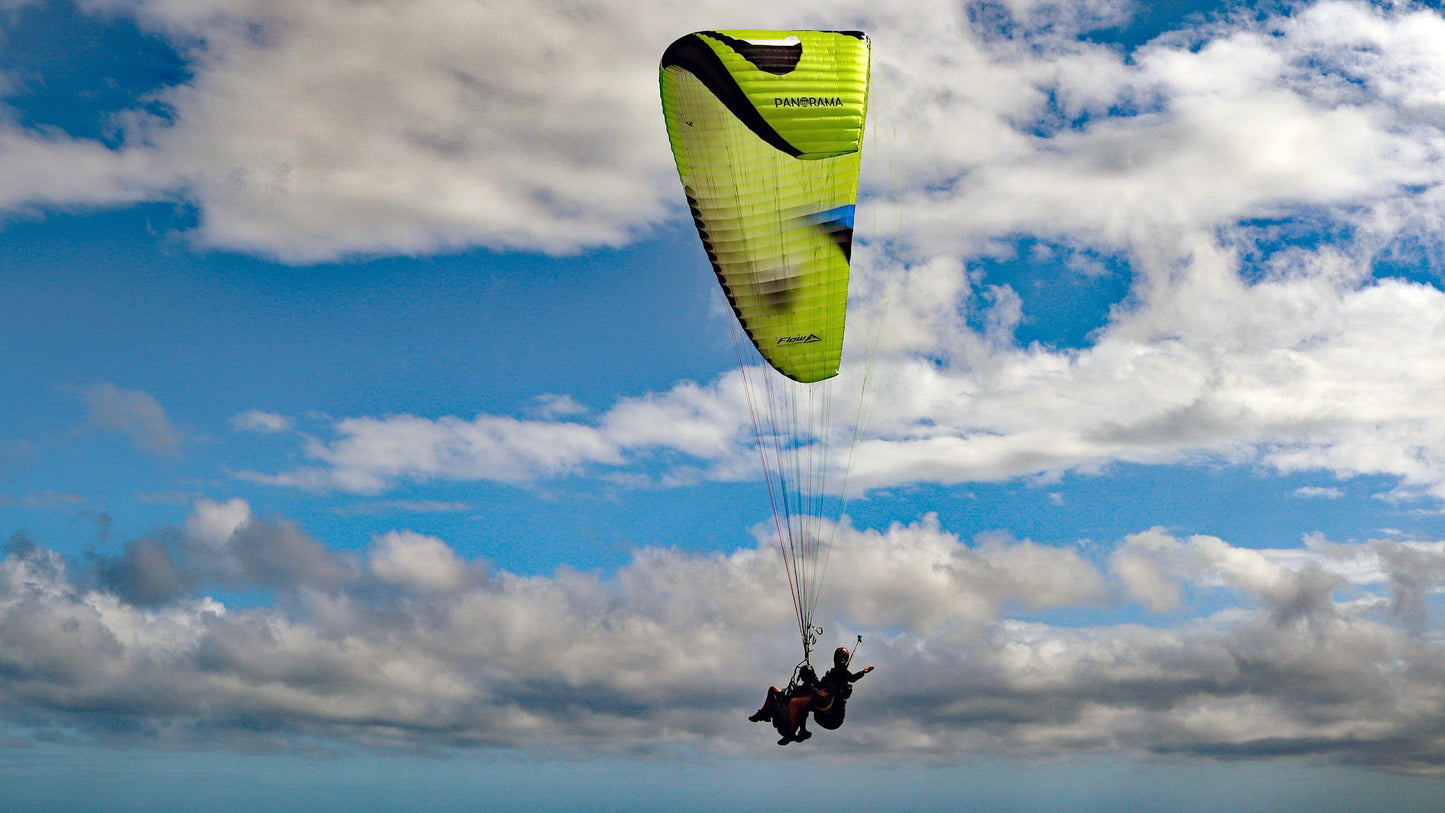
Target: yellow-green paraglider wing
(766, 127)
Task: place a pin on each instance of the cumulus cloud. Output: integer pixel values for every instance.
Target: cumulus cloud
(1235, 342)
(215, 522)
(1153, 566)
(1208, 164)
(372, 454)
(420, 562)
(222, 544)
(417, 648)
(47, 169)
(427, 126)
(431, 126)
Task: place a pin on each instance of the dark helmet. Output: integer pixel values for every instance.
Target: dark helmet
(840, 655)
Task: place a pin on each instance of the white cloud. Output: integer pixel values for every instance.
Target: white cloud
(1142, 566)
(553, 406)
(1234, 344)
(215, 522)
(431, 126)
(423, 649)
(254, 420)
(427, 126)
(1299, 371)
(372, 454)
(420, 562)
(47, 169)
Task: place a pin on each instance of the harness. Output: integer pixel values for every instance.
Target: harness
(797, 680)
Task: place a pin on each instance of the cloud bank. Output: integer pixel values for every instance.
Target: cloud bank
(1319, 651)
(431, 126)
(1269, 185)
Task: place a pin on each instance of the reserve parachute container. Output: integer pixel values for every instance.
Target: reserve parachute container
(766, 128)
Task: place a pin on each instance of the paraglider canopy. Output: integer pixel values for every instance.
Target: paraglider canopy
(766, 128)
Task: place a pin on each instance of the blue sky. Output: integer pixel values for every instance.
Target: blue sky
(370, 409)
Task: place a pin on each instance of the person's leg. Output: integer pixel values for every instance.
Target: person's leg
(798, 716)
(765, 714)
(787, 720)
(800, 725)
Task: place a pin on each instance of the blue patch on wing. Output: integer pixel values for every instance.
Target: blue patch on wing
(836, 219)
(838, 223)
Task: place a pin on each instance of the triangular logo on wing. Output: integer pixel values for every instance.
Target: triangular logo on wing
(808, 339)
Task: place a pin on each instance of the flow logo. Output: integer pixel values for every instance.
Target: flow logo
(808, 339)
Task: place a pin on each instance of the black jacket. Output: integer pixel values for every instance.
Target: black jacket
(840, 680)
